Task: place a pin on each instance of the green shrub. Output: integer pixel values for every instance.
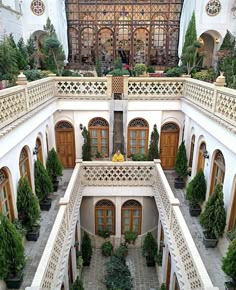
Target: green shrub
(53, 164)
(86, 248)
(229, 261)
(43, 183)
(117, 274)
(78, 284)
(12, 257)
(150, 69)
(130, 237)
(206, 76)
(99, 67)
(139, 157)
(149, 246)
(119, 72)
(32, 75)
(181, 162)
(213, 218)
(153, 146)
(27, 204)
(107, 248)
(104, 233)
(175, 72)
(121, 251)
(196, 190)
(139, 69)
(86, 148)
(118, 63)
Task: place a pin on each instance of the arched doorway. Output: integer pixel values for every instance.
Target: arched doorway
(6, 203)
(65, 143)
(138, 136)
(201, 158)
(131, 216)
(39, 150)
(232, 217)
(24, 165)
(169, 145)
(99, 134)
(190, 163)
(218, 170)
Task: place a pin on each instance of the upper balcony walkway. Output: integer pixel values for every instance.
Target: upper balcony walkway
(190, 269)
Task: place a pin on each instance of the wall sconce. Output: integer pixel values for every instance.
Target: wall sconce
(76, 244)
(206, 154)
(81, 126)
(36, 150)
(217, 40)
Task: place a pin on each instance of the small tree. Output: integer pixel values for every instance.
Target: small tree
(213, 218)
(153, 146)
(139, 69)
(196, 191)
(99, 67)
(118, 63)
(22, 55)
(149, 246)
(43, 183)
(86, 148)
(31, 51)
(229, 261)
(78, 284)
(181, 162)
(86, 248)
(12, 257)
(53, 164)
(27, 204)
(49, 27)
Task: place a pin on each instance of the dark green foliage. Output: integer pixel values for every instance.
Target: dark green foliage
(78, 284)
(130, 237)
(86, 248)
(8, 60)
(150, 69)
(153, 146)
(31, 50)
(229, 261)
(181, 162)
(196, 190)
(32, 75)
(27, 204)
(43, 183)
(139, 157)
(228, 41)
(121, 252)
(11, 41)
(86, 148)
(149, 246)
(117, 274)
(12, 257)
(69, 73)
(175, 72)
(163, 287)
(104, 233)
(206, 76)
(118, 64)
(119, 72)
(190, 38)
(99, 67)
(22, 54)
(139, 69)
(53, 164)
(49, 28)
(107, 248)
(213, 218)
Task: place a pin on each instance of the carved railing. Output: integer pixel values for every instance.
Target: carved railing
(188, 264)
(154, 88)
(83, 88)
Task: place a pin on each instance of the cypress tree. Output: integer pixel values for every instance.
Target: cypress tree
(181, 162)
(153, 147)
(86, 148)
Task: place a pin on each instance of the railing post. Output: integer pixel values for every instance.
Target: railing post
(52, 76)
(126, 82)
(109, 86)
(22, 81)
(173, 202)
(220, 82)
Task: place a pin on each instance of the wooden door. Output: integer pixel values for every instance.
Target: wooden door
(65, 144)
(168, 271)
(169, 145)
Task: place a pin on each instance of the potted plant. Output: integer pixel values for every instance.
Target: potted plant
(122, 251)
(28, 209)
(213, 218)
(54, 167)
(107, 249)
(139, 69)
(12, 256)
(153, 146)
(104, 234)
(86, 249)
(181, 166)
(130, 237)
(196, 193)
(86, 148)
(78, 284)
(150, 249)
(229, 265)
(43, 185)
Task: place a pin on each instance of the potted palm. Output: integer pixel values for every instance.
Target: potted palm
(54, 167)
(12, 257)
(43, 185)
(28, 209)
(229, 265)
(181, 166)
(150, 249)
(86, 249)
(213, 218)
(196, 193)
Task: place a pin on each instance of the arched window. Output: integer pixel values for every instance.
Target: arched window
(138, 136)
(39, 150)
(99, 134)
(105, 216)
(218, 172)
(6, 206)
(191, 151)
(131, 216)
(24, 165)
(201, 159)
(232, 218)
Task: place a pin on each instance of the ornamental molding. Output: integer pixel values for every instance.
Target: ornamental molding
(213, 7)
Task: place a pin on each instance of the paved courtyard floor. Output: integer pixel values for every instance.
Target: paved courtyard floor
(144, 278)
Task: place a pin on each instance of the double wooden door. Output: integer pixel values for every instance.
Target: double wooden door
(65, 144)
(169, 145)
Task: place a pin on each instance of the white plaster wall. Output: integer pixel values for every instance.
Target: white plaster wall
(87, 214)
(149, 214)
